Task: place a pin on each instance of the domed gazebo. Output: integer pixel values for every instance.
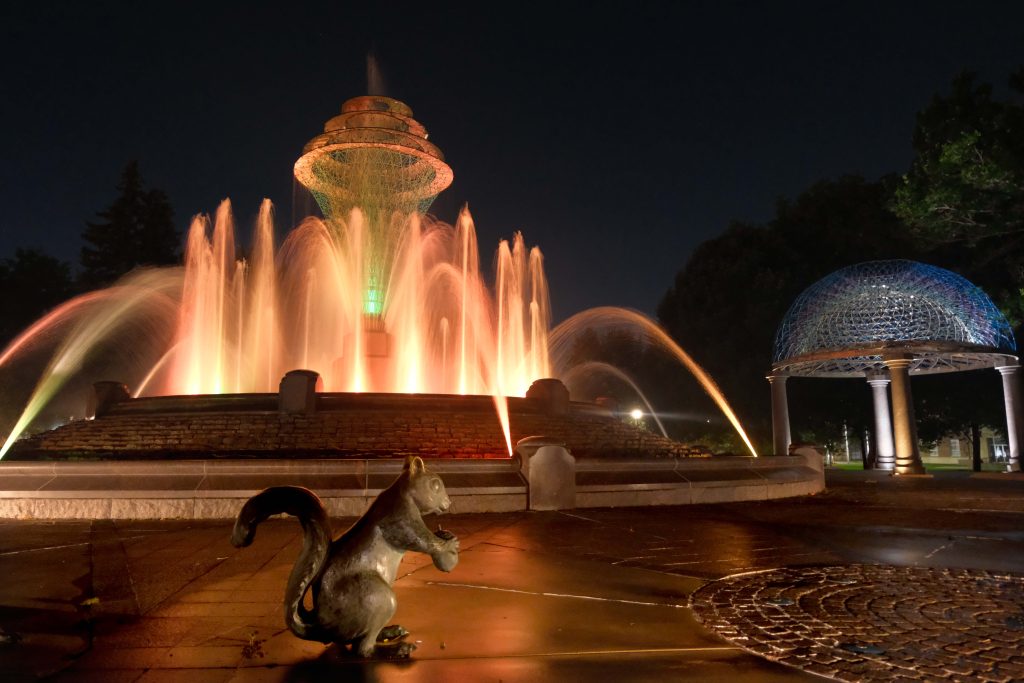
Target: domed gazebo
(885, 321)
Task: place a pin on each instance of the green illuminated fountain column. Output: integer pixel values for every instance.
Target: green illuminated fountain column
(376, 158)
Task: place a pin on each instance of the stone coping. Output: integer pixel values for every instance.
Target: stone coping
(336, 401)
(228, 466)
(760, 467)
(214, 489)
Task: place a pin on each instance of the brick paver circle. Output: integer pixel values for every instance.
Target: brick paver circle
(874, 622)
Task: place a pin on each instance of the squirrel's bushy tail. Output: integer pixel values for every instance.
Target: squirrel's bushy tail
(303, 504)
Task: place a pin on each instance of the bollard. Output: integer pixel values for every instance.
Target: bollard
(550, 472)
(551, 395)
(297, 393)
(106, 395)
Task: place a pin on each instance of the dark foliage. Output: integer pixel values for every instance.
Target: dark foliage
(31, 283)
(963, 197)
(728, 300)
(136, 230)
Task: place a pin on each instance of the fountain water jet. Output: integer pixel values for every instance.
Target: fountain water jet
(607, 316)
(144, 300)
(589, 368)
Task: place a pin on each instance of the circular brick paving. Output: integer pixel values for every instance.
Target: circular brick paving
(874, 622)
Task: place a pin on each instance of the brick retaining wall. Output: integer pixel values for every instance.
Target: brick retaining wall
(344, 426)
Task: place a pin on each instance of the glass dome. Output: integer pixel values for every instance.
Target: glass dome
(842, 324)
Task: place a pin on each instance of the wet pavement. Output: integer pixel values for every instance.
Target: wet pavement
(634, 594)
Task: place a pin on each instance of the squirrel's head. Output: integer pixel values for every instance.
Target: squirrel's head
(425, 487)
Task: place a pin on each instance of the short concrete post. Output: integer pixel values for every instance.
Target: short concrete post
(1012, 403)
(297, 393)
(550, 472)
(908, 453)
(885, 453)
(551, 395)
(781, 437)
(106, 395)
(814, 458)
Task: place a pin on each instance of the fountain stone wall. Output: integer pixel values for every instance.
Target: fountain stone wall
(341, 426)
(201, 457)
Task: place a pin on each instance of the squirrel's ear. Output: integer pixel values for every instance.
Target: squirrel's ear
(413, 463)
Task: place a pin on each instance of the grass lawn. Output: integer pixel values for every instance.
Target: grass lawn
(985, 467)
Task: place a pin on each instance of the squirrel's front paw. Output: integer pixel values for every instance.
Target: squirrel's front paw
(449, 541)
(447, 554)
(446, 561)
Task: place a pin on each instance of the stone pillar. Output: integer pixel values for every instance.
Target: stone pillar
(1014, 421)
(297, 393)
(885, 454)
(550, 473)
(780, 414)
(908, 454)
(105, 395)
(551, 395)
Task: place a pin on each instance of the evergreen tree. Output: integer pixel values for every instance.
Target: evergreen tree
(136, 230)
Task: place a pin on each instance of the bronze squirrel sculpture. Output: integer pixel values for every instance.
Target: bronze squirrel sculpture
(351, 577)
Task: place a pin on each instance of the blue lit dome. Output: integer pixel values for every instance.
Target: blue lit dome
(842, 324)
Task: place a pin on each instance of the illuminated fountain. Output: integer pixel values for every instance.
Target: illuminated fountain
(376, 297)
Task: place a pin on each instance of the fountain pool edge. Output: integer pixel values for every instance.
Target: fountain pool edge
(210, 489)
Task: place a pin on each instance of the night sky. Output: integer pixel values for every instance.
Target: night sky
(616, 138)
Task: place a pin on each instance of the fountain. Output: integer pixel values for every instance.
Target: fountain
(377, 297)
(368, 337)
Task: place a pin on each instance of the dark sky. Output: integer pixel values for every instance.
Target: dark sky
(615, 136)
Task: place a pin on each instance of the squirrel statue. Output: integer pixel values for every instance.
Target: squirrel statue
(351, 577)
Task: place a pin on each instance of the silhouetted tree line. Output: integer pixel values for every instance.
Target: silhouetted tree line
(137, 229)
(960, 206)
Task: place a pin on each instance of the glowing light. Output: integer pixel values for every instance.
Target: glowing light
(501, 405)
(298, 310)
(591, 368)
(636, 414)
(373, 304)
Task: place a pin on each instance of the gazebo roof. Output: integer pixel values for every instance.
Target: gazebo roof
(843, 325)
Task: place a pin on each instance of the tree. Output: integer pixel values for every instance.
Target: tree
(729, 299)
(34, 283)
(136, 230)
(722, 310)
(963, 196)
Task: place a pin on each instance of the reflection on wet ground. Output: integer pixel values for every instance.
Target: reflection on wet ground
(537, 596)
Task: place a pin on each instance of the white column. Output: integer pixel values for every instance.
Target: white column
(908, 455)
(1011, 399)
(780, 414)
(885, 454)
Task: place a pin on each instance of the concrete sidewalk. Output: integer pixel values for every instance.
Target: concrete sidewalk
(580, 595)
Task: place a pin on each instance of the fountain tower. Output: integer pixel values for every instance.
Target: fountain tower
(371, 171)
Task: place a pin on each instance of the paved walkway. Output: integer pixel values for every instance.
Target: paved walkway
(588, 594)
